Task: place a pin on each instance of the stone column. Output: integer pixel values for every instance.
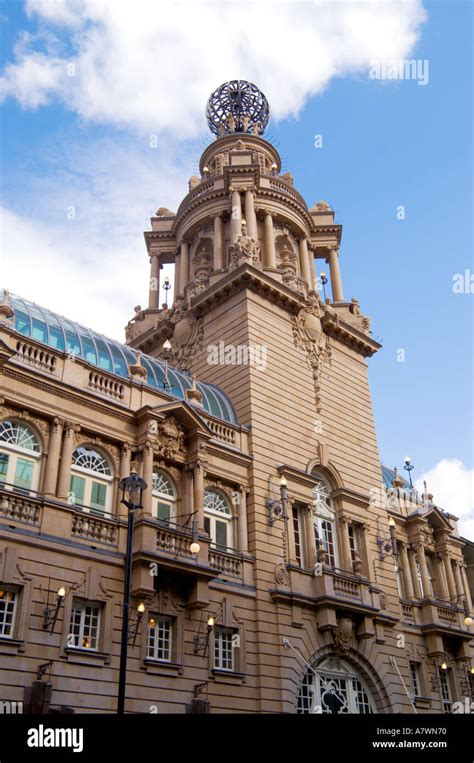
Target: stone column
(198, 491)
(250, 216)
(304, 260)
(309, 536)
(336, 282)
(442, 577)
(414, 575)
(312, 274)
(235, 216)
(177, 269)
(147, 474)
(346, 549)
(242, 520)
(425, 578)
(122, 510)
(184, 265)
(218, 243)
(408, 583)
(270, 254)
(449, 576)
(52, 463)
(458, 582)
(154, 294)
(467, 590)
(66, 460)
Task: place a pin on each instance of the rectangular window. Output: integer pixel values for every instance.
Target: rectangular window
(163, 511)
(353, 541)
(325, 538)
(77, 489)
(415, 678)
(444, 681)
(297, 535)
(3, 467)
(98, 492)
(221, 534)
(8, 600)
(159, 639)
(23, 474)
(223, 650)
(85, 620)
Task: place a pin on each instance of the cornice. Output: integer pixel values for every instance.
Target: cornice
(247, 277)
(336, 327)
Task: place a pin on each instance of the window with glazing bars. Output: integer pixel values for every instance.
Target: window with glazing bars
(297, 535)
(160, 639)
(223, 651)
(84, 632)
(8, 602)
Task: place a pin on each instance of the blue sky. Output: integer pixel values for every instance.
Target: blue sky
(75, 144)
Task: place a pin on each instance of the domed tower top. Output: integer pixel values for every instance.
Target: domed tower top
(237, 106)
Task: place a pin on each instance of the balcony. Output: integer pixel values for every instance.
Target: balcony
(20, 507)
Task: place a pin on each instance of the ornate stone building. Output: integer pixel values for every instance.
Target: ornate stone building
(322, 583)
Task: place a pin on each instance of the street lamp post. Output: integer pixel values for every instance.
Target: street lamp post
(133, 487)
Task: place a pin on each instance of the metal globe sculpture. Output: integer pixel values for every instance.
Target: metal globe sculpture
(237, 106)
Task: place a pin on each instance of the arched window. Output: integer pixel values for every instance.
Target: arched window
(20, 456)
(91, 481)
(334, 687)
(164, 496)
(218, 519)
(324, 521)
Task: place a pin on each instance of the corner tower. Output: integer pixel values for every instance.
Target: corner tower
(247, 315)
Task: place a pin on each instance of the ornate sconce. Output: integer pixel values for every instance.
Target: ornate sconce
(388, 544)
(201, 642)
(134, 628)
(277, 508)
(50, 613)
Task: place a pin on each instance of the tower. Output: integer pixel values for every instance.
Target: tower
(248, 316)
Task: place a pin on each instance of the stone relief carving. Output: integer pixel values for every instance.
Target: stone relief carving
(187, 339)
(245, 250)
(343, 634)
(170, 437)
(308, 335)
(281, 575)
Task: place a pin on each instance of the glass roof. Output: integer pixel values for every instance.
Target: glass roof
(388, 475)
(111, 356)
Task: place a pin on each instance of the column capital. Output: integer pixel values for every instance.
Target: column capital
(215, 215)
(71, 426)
(268, 212)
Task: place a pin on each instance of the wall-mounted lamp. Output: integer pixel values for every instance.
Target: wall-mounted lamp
(166, 287)
(50, 613)
(408, 466)
(202, 642)
(324, 280)
(135, 627)
(166, 350)
(277, 507)
(388, 545)
(274, 169)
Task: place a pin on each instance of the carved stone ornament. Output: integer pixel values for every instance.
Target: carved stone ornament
(246, 250)
(309, 336)
(170, 437)
(343, 634)
(281, 575)
(187, 340)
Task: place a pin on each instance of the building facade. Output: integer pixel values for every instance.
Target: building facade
(322, 582)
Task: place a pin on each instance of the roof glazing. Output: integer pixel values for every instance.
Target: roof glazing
(53, 330)
(388, 476)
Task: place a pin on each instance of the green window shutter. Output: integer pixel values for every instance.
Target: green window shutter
(98, 493)
(23, 474)
(3, 467)
(221, 534)
(164, 511)
(77, 489)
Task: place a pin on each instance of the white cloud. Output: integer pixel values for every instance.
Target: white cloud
(81, 250)
(152, 67)
(452, 485)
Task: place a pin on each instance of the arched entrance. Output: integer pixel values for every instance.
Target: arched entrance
(334, 686)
